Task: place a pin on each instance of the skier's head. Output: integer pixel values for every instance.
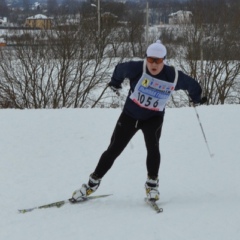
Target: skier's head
(155, 55)
(157, 50)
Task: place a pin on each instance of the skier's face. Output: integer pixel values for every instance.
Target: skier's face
(154, 65)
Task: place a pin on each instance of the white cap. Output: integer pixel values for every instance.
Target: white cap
(157, 50)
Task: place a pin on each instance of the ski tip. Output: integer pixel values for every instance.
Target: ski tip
(24, 210)
(160, 210)
(152, 203)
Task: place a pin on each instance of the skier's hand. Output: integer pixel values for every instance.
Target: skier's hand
(203, 100)
(115, 88)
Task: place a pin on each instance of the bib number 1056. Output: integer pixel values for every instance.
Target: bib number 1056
(147, 101)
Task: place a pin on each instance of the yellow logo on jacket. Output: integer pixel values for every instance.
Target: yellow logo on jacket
(145, 82)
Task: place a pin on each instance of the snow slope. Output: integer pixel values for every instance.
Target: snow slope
(47, 154)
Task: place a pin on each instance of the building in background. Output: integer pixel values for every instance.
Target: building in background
(180, 17)
(39, 21)
(3, 21)
(2, 42)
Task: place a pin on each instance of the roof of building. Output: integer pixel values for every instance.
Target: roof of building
(39, 16)
(180, 13)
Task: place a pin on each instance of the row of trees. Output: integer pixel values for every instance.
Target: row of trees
(21, 9)
(70, 65)
(63, 67)
(209, 48)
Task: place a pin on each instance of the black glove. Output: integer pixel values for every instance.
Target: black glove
(202, 101)
(115, 88)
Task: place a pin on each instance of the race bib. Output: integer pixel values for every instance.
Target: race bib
(152, 93)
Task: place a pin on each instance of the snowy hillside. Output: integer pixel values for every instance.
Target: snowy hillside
(47, 154)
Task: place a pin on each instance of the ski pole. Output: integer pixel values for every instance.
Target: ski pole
(211, 154)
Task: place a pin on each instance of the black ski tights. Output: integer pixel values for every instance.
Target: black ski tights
(125, 129)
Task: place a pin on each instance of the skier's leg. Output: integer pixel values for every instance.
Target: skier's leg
(123, 132)
(152, 131)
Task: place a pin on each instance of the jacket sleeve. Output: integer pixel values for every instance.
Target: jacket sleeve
(189, 84)
(125, 70)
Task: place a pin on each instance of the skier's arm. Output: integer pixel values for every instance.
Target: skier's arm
(189, 84)
(125, 70)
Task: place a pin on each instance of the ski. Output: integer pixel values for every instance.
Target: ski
(61, 203)
(153, 205)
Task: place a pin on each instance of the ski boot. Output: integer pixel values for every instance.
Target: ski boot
(151, 187)
(86, 189)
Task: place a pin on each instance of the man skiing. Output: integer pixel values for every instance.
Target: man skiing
(151, 85)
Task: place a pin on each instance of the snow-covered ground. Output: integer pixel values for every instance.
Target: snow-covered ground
(47, 154)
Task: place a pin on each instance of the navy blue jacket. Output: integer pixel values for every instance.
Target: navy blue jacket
(133, 70)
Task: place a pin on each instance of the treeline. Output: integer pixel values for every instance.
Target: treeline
(18, 11)
(70, 65)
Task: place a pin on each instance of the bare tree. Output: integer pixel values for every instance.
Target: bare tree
(4, 11)
(52, 6)
(210, 50)
(59, 68)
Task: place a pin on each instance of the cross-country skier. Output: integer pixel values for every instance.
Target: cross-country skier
(151, 85)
